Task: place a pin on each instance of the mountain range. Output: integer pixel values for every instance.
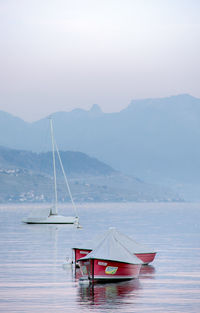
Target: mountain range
(153, 139)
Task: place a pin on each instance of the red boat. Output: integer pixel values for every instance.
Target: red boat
(109, 261)
(80, 253)
(143, 252)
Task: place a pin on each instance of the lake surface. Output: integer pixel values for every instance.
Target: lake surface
(33, 278)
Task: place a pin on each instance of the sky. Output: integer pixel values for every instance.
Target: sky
(58, 55)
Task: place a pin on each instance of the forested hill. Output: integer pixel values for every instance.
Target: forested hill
(28, 177)
(74, 163)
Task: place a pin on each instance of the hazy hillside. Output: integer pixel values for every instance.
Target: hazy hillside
(154, 139)
(73, 162)
(27, 176)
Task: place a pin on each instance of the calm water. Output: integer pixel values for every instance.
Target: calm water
(32, 277)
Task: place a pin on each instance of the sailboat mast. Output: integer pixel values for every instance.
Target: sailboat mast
(54, 168)
(66, 181)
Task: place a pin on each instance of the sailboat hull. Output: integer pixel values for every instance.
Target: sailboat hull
(52, 219)
(108, 270)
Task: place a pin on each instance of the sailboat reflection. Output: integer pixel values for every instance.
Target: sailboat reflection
(102, 293)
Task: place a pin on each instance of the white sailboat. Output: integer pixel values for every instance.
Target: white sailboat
(54, 217)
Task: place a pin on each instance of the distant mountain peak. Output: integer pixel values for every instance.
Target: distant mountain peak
(178, 96)
(178, 101)
(95, 109)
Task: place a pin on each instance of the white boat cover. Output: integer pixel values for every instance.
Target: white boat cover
(110, 248)
(133, 246)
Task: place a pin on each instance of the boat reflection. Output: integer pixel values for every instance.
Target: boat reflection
(99, 294)
(77, 273)
(147, 271)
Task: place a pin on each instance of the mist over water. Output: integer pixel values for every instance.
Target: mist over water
(32, 276)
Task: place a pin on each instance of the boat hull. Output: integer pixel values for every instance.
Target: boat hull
(80, 253)
(108, 270)
(146, 257)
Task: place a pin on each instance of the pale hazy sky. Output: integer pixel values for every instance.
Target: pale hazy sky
(57, 55)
